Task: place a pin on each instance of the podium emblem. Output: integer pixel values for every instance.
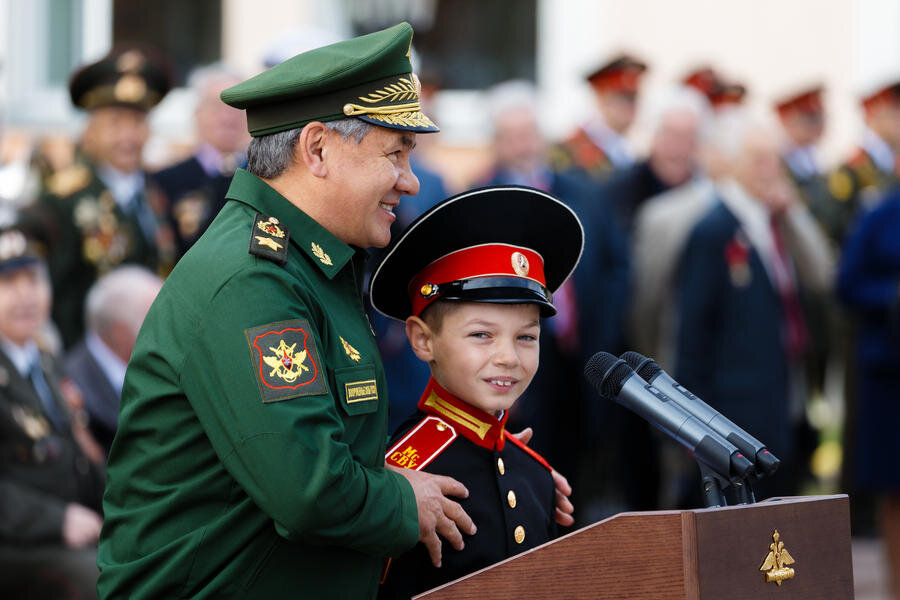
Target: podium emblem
(775, 561)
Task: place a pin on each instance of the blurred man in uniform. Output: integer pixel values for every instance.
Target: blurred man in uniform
(114, 310)
(49, 490)
(802, 118)
(195, 188)
(871, 170)
(106, 212)
(599, 146)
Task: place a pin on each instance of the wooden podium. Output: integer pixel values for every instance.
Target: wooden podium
(708, 554)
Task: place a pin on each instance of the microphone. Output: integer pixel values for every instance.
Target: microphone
(614, 379)
(765, 462)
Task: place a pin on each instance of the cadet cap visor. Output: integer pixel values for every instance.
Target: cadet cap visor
(368, 77)
(621, 74)
(132, 76)
(807, 101)
(501, 244)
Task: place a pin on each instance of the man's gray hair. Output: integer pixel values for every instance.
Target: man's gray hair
(120, 297)
(269, 155)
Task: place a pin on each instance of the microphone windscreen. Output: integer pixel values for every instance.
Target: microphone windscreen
(607, 374)
(646, 368)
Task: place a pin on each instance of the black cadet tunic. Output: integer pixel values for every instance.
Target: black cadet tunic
(512, 497)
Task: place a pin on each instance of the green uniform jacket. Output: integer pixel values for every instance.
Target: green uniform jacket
(42, 469)
(88, 234)
(855, 185)
(249, 460)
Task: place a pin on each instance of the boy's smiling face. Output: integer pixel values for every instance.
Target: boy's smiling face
(484, 354)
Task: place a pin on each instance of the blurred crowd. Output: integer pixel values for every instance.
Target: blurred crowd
(766, 282)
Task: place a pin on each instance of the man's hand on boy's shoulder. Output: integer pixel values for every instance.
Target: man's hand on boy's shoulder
(564, 507)
(437, 513)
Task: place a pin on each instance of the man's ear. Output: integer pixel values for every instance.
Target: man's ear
(420, 338)
(310, 148)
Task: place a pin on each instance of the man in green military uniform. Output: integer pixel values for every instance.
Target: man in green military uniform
(249, 457)
(104, 212)
(871, 170)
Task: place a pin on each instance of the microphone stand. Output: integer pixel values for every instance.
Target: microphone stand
(712, 485)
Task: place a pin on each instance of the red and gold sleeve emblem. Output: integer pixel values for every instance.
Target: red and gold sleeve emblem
(285, 360)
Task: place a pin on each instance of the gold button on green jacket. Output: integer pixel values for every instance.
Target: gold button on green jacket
(249, 457)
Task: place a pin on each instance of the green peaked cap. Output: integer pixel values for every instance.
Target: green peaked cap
(368, 77)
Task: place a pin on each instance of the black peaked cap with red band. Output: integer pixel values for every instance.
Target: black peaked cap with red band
(500, 244)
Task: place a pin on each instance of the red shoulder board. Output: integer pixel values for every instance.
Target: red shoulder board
(421, 445)
(533, 454)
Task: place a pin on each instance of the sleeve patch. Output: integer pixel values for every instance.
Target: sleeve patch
(421, 445)
(269, 239)
(285, 360)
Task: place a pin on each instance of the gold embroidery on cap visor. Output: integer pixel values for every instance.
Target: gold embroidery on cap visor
(396, 103)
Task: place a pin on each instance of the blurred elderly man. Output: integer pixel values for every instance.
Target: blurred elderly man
(115, 308)
(741, 333)
(196, 187)
(49, 491)
(106, 212)
(672, 160)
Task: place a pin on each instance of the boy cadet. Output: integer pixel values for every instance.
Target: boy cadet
(472, 293)
(249, 458)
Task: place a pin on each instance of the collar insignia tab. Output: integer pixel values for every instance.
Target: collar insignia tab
(320, 254)
(775, 561)
(285, 360)
(352, 352)
(265, 246)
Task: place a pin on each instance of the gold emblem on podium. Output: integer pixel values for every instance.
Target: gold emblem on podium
(776, 559)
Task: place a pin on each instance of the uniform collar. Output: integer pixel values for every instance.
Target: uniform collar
(879, 150)
(123, 186)
(23, 358)
(321, 246)
(480, 428)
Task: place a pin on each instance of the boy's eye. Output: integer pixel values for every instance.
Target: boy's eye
(479, 334)
(528, 338)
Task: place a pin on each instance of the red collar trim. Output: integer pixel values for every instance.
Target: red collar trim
(479, 427)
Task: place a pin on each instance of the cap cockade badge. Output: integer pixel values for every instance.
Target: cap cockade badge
(520, 264)
(271, 227)
(776, 559)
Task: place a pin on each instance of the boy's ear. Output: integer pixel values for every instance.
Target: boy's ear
(310, 148)
(420, 338)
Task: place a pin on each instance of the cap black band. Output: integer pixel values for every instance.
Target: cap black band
(500, 290)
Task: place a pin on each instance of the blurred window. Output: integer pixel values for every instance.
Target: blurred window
(64, 19)
(465, 44)
(190, 32)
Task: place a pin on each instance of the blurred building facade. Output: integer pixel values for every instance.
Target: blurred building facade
(467, 45)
